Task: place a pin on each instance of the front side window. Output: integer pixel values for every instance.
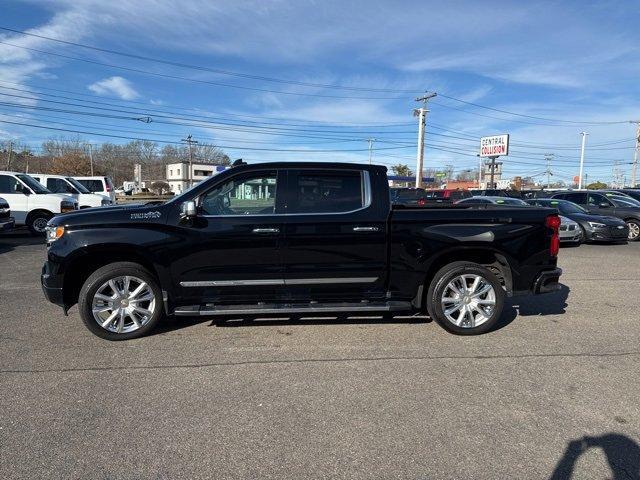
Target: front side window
(58, 185)
(595, 200)
(32, 184)
(254, 194)
(9, 184)
(327, 192)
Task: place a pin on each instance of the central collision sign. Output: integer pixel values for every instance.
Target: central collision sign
(494, 146)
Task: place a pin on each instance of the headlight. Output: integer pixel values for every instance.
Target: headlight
(596, 225)
(66, 206)
(54, 233)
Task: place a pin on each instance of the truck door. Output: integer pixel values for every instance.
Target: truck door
(232, 250)
(335, 236)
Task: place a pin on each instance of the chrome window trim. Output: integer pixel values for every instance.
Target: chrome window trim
(275, 281)
(367, 200)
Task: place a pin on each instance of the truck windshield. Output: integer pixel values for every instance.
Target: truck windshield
(77, 185)
(32, 184)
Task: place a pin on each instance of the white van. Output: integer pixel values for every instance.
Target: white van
(31, 204)
(70, 186)
(102, 185)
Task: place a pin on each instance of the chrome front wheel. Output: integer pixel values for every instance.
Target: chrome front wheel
(468, 301)
(123, 304)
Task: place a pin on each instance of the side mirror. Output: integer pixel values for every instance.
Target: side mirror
(188, 209)
(26, 191)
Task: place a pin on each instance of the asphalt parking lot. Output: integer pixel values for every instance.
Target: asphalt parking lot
(553, 393)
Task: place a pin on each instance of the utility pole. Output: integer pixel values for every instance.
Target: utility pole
(479, 171)
(584, 141)
(421, 113)
(190, 141)
(634, 166)
(370, 140)
(548, 157)
(493, 171)
(91, 158)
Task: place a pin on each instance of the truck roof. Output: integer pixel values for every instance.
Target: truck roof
(320, 165)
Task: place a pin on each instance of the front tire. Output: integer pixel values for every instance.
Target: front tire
(465, 298)
(37, 223)
(120, 301)
(634, 230)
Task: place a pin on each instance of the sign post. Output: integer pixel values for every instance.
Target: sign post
(492, 147)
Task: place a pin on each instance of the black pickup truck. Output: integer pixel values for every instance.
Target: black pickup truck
(296, 238)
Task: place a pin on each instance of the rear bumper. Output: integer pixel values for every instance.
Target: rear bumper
(51, 286)
(547, 281)
(7, 224)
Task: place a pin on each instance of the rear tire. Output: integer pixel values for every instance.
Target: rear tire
(120, 301)
(465, 298)
(38, 222)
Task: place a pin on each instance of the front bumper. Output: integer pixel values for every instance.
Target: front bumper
(547, 281)
(7, 224)
(609, 234)
(51, 286)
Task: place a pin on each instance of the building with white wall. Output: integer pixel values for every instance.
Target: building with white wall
(179, 177)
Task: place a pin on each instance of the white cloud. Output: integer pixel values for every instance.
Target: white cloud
(117, 86)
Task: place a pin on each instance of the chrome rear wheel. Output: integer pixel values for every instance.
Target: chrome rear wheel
(468, 300)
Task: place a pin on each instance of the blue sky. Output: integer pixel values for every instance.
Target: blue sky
(569, 61)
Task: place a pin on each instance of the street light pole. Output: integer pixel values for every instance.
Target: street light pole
(584, 141)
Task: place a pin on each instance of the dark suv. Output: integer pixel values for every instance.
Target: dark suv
(601, 203)
(408, 196)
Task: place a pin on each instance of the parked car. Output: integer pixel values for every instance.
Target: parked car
(6, 220)
(570, 231)
(595, 228)
(31, 203)
(632, 192)
(408, 196)
(446, 195)
(101, 185)
(600, 204)
(70, 186)
(220, 249)
(495, 200)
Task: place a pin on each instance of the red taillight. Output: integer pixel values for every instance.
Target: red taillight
(553, 223)
(108, 187)
(422, 202)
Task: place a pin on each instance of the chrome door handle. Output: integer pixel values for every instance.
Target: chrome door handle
(365, 229)
(266, 230)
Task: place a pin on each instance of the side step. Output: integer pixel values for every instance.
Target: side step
(302, 308)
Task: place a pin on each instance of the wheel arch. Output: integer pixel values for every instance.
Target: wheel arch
(89, 260)
(494, 260)
(36, 211)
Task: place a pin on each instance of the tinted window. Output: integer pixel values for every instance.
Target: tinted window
(595, 199)
(92, 185)
(327, 192)
(58, 185)
(253, 194)
(9, 184)
(573, 197)
(31, 183)
(81, 188)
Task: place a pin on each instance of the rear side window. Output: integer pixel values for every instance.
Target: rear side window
(93, 185)
(327, 192)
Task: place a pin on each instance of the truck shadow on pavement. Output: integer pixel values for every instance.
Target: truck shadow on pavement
(621, 452)
(17, 238)
(534, 305)
(538, 305)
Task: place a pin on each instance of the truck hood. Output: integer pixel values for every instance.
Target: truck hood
(114, 215)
